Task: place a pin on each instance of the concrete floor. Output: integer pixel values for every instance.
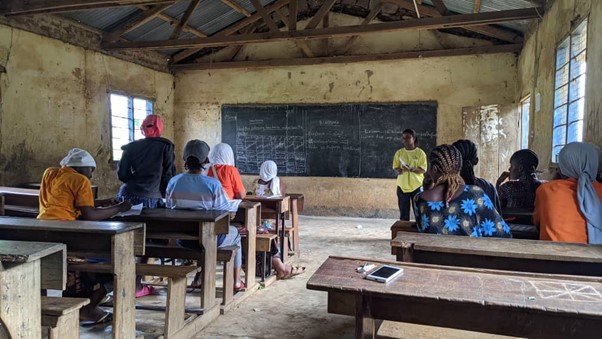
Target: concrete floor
(286, 308)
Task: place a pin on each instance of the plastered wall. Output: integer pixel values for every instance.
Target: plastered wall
(454, 82)
(53, 97)
(536, 71)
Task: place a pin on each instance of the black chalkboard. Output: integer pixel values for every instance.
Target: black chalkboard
(344, 140)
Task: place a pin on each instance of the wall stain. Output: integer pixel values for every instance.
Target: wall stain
(369, 73)
(289, 75)
(330, 86)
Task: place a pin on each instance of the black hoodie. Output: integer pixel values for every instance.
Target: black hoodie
(146, 167)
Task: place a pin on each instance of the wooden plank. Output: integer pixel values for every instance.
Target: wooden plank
(60, 306)
(315, 20)
(265, 16)
(232, 29)
(440, 6)
(477, 6)
(184, 20)
(373, 13)
(176, 303)
(207, 236)
(293, 11)
(498, 33)
(54, 270)
(20, 299)
(462, 20)
(124, 271)
(237, 7)
(71, 226)
(19, 7)
(349, 59)
(325, 42)
(141, 19)
(187, 28)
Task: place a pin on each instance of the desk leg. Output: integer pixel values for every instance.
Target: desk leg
(365, 325)
(124, 280)
(20, 299)
(295, 224)
(251, 245)
(208, 241)
(280, 226)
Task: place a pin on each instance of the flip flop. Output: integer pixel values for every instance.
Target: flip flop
(146, 290)
(295, 270)
(106, 318)
(240, 287)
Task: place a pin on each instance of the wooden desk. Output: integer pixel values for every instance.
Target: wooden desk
(36, 186)
(201, 226)
(296, 206)
(502, 254)
(119, 241)
(27, 267)
(20, 202)
(249, 214)
(507, 303)
(279, 205)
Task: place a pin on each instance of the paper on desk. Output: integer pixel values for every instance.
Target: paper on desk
(135, 210)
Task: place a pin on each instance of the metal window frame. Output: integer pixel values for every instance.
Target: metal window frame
(131, 126)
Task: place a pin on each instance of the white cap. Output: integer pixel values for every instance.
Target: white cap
(78, 157)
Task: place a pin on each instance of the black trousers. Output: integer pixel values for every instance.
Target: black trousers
(404, 200)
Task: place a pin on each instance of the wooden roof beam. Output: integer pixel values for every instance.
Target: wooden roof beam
(513, 48)
(21, 7)
(237, 7)
(494, 32)
(373, 13)
(139, 20)
(185, 17)
(452, 21)
(267, 18)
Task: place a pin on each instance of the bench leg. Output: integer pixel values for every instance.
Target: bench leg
(228, 289)
(67, 327)
(176, 303)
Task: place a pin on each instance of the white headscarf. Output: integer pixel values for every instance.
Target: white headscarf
(222, 154)
(580, 161)
(78, 157)
(269, 171)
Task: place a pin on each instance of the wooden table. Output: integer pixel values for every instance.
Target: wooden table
(279, 205)
(201, 226)
(26, 267)
(36, 186)
(507, 303)
(501, 254)
(119, 241)
(20, 202)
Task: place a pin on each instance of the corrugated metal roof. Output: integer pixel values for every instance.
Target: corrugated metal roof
(102, 19)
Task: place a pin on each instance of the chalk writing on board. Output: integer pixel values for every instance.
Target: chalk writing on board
(345, 140)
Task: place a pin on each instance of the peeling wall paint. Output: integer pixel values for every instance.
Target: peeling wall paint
(53, 97)
(454, 82)
(536, 72)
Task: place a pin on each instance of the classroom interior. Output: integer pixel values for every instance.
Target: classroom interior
(493, 77)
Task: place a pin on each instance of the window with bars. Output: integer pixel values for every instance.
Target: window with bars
(127, 114)
(569, 89)
(525, 106)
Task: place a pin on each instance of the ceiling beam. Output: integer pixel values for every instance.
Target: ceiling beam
(22, 7)
(440, 7)
(315, 20)
(494, 32)
(232, 29)
(293, 11)
(514, 48)
(477, 6)
(237, 7)
(452, 21)
(140, 19)
(184, 20)
(373, 13)
(267, 18)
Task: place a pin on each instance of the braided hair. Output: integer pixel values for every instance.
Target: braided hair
(447, 161)
(529, 162)
(469, 157)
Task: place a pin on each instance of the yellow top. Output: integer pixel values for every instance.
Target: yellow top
(410, 181)
(62, 191)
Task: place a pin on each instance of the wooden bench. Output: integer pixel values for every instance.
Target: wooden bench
(500, 254)
(226, 256)
(60, 316)
(176, 288)
(402, 226)
(507, 303)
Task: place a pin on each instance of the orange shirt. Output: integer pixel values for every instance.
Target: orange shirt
(61, 191)
(230, 179)
(557, 211)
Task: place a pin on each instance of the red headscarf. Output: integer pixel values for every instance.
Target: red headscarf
(152, 126)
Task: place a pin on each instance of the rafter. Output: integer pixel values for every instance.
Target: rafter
(232, 29)
(237, 7)
(452, 21)
(477, 6)
(513, 48)
(187, 28)
(313, 23)
(267, 18)
(139, 20)
(373, 13)
(440, 6)
(494, 32)
(178, 29)
(293, 11)
(21, 7)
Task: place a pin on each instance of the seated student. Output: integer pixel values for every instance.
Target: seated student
(222, 168)
(468, 149)
(66, 194)
(450, 207)
(570, 209)
(269, 183)
(517, 186)
(192, 190)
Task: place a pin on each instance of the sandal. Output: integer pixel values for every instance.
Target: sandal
(107, 317)
(146, 290)
(240, 287)
(295, 270)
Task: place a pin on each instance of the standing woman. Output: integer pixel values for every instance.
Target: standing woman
(222, 168)
(410, 164)
(146, 165)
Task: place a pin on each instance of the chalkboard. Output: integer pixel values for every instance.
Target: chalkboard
(344, 140)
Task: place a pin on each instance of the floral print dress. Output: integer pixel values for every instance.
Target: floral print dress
(472, 213)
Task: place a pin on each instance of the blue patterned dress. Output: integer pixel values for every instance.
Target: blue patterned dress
(472, 213)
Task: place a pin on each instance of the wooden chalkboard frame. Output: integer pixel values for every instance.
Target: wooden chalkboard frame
(326, 140)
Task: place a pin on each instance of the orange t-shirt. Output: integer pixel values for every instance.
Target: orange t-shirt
(557, 211)
(230, 179)
(61, 191)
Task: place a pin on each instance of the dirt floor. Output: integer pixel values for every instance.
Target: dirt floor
(286, 309)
